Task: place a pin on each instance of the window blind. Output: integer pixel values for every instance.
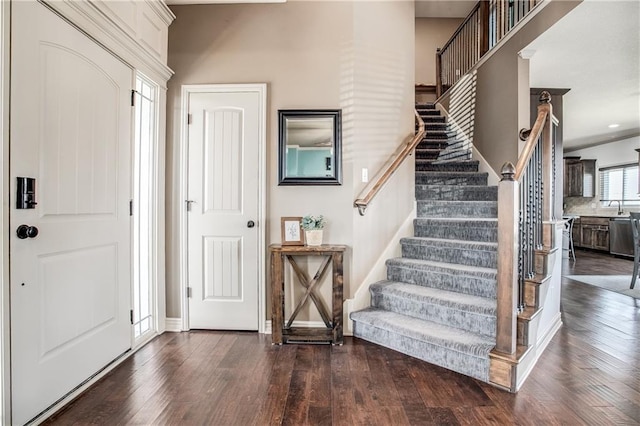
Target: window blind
(620, 183)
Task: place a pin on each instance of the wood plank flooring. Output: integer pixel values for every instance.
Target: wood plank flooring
(590, 374)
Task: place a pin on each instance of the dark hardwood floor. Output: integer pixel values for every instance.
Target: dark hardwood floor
(590, 374)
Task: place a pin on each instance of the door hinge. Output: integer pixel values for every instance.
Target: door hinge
(189, 292)
(130, 207)
(131, 316)
(133, 98)
(189, 118)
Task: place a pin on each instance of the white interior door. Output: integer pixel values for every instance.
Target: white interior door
(70, 284)
(223, 178)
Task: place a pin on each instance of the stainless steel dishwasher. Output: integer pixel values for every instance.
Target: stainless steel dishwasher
(620, 236)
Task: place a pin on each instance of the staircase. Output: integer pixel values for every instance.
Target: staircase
(438, 302)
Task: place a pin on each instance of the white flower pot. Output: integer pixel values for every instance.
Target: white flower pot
(313, 238)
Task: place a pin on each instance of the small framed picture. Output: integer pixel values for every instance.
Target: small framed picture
(291, 231)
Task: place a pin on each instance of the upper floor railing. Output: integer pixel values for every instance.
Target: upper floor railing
(487, 23)
(389, 168)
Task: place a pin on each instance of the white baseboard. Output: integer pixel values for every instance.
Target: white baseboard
(541, 345)
(173, 325)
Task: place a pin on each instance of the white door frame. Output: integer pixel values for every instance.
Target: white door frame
(187, 90)
(5, 350)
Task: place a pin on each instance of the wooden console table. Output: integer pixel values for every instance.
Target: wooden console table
(332, 332)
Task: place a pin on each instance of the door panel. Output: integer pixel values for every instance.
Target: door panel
(223, 185)
(70, 285)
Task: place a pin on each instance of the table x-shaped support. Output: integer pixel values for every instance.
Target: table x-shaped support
(310, 290)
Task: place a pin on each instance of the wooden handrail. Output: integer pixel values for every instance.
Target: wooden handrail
(393, 163)
(533, 134)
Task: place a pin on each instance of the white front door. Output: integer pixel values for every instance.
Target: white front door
(70, 284)
(223, 204)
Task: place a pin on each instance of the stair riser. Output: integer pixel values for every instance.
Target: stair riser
(454, 317)
(428, 119)
(425, 155)
(485, 235)
(439, 135)
(481, 258)
(473, 286)
(451, 179)
(474, 366)
(428, 209)
(457, 193)
(467, 166)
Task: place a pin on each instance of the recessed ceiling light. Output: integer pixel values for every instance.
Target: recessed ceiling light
(614, 125)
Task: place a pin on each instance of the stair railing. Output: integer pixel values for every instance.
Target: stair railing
(525, 204)
(392, 164)
(487, 23)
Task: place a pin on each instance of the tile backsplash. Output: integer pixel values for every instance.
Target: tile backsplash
(592, 206)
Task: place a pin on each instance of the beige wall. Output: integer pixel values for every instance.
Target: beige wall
(354, 56)
(431, 33)
(502, 104)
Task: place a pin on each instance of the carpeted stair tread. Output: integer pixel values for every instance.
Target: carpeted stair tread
(473, 280)
(445, 267)
(451, 178)
(472, 253)
(456, 192)
(445, 242)
(453, 166)
(442, 335)
(472, 230)
(461, 301)
(451, 208)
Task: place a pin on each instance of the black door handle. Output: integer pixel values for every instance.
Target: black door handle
(26, 231)
(251, 224)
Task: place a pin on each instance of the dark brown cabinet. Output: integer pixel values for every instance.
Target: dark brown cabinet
(591, 232)
(579, 177)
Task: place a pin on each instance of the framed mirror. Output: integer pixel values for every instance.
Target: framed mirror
(310, 147)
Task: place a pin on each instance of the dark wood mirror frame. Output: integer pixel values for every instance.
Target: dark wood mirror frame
(315, 129)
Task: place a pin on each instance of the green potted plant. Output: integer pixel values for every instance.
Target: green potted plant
(313, 226)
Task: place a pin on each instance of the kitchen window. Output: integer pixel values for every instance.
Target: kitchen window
(620, 183)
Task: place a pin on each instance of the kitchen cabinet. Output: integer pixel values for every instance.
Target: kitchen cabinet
(579, 177)
(591, 232)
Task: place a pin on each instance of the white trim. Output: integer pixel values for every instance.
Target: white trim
(5, 349)
(362, 298)
(86, 16)
(187, 90)
(539, 349)
(173, 325)
(267, 327)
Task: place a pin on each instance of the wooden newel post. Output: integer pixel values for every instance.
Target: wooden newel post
(438, 73)
(508, 205)
(547, 157)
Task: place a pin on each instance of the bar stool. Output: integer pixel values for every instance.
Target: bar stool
(635, 228)
(568, 231)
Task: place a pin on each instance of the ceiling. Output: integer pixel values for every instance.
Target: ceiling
(443, 8)
(595, 52)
